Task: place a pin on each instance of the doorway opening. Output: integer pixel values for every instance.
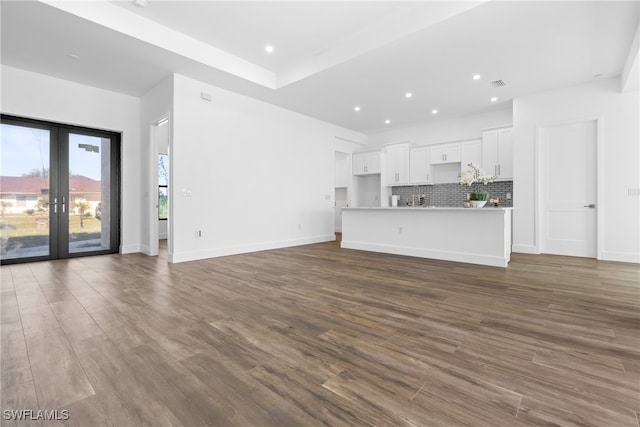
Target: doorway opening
(159, 218)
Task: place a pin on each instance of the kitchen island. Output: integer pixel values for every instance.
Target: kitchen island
(471, 235)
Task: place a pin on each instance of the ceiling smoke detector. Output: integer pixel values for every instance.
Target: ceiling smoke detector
(140, 3)
(498, 83)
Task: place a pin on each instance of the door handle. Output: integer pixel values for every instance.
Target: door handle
(55, 205)
(590, 205)
(63, 204)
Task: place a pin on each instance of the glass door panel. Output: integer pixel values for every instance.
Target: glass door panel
(59, 191)
(25, 217)
(89, 193)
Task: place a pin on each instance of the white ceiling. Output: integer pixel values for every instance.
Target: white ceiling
(329, 56)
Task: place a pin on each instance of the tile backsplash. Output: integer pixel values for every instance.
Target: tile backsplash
(454, 194)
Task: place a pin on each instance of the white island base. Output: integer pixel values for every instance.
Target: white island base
(471, 235)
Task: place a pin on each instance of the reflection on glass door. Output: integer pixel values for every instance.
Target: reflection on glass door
(59, 188)
(89, 192)
(24, 192)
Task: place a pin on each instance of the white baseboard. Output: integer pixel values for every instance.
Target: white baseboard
(525, 249)
(633, 257)
(130, 249)
(469, 258)
(242, 249)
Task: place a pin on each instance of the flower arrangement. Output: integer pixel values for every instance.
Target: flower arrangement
(474, 177)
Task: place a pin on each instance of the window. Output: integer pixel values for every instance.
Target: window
(163, 182)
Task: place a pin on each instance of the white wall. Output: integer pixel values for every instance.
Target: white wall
(156, 104)
(458, 129)
(33, 95)
(619, 116)
(259, 176)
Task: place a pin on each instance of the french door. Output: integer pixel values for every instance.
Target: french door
(59, 191)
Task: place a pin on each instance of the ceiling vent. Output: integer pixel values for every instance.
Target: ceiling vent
(498, 83)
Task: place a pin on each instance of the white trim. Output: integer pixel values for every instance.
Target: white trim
(526, 249)
(632, 257)
(242, 249)
(132, 249)
(154, 232)
(496, 127)
(469, 258)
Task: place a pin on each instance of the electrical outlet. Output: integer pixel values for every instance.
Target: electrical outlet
(198, 234)
(399, 230)
(508, 196)
(299, 226)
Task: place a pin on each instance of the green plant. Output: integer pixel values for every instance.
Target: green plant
(479, 196)
(475, 177)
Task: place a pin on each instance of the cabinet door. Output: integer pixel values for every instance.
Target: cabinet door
(359, 163)
(373, 162)
(471, 153)
(490, 152)
(342, 173)
(436, 154)
(419, 166)
(452, 153)
(505, 153)
(397, 164)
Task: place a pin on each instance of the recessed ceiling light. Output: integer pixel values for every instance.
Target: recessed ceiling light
(73, 56)
(494, 99)
(356, 108)
(387, 121)
(268, 48)
(140, 3)
(408, 95)
(476, 77)
(434, 111)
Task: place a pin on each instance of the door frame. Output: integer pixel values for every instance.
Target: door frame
(540, 166)
(154, 232)
(56, 141)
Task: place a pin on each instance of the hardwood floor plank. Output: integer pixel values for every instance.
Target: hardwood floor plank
(316, 335)
(57, 375)
(540, 413)
(15, 368)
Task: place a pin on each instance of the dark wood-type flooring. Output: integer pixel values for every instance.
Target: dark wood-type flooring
(316, 335)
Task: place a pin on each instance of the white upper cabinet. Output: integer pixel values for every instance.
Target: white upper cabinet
(471, 153)
(342, 173)
(366, 163)
(419, 166)
(445, 153)
(497, 153)
(396, 164)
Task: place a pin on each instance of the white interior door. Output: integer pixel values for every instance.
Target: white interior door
(569, 189)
